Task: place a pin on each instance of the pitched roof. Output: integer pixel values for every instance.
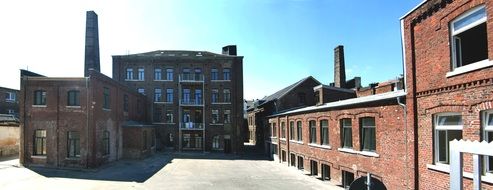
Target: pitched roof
(279, 94)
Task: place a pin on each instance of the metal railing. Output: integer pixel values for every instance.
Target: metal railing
(191, 125)
(478, 151)
(191, 77)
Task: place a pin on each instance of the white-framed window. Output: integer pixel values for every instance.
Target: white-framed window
(141, 74)
(169, 116)
(283, 130)
(291, 130)
(141, 90)
(215, 95)
(226, 74)
(488, 137)
(214, 74)
(313, 131)
(469, 42)
(157, 74)
(169, 95)
(215, 142)
(448, 126)
(274, 130)
(324, 131)
(169, 74)
(299, 131)
(130, 74)
(368, 134)
(10, 96)
(215, 116)
(157, 95)
(227, 95)
(227, 116)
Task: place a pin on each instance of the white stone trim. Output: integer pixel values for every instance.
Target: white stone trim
(471, 67)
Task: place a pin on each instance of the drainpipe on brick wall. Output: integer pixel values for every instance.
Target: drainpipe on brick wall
(404, 108)
(87, 120)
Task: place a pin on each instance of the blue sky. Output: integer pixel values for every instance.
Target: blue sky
(282, 41)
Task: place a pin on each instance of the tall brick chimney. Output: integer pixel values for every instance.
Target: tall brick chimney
(91, 60)
(229, 50)
(339, 68)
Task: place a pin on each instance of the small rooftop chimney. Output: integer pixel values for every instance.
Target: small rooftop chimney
(91, 60)
(229, 50)
(339, 68)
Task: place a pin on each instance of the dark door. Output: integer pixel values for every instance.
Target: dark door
(227, 145)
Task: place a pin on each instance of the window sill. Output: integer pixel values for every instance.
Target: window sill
(72, 158)
(220, 80)
(446, 169)
(163, 102)
(39, 157)
(216, 124)
(320, 146)
(367, 153)
(105, 109)
(282, 139)
(220, 103)
(297, 142)
(471, 67)
(73, 107)
(163, 80)
(39, 106)
(347, 150)
(160, 123)
(133, 80)
(10, 101)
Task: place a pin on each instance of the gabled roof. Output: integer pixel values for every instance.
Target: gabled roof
(412, 10)
(177, 53)
(279, 94)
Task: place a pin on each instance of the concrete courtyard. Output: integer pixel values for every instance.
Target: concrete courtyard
(165, 171)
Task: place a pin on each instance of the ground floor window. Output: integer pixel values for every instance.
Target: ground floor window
(274, 149)
(325, 172)
(300, 163)
(106, 142)
(347, 179)
(186, 141)
(292, 160)
(39, 142)
(283, 156)
(313, 167)
(73, 144)
(448, 126)
(488, 137)
(215, 142)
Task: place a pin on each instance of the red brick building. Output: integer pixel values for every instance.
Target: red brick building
(448, 47)
(77, 122)
(9, 102)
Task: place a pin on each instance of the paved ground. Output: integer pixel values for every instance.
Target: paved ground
(165, 171)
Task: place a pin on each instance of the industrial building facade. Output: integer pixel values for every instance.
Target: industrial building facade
(195, 97)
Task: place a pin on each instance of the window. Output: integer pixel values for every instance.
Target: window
(215, 95)
(227, 116)
(141, 74)
(214, 74)
(302, 98)
(198, 96)
(448, 126)
(11, 111)
(106, 98)
(39, 142)
(215, 116)
(144, 140)
(226, 74)
(157, 74)
(300, 131)
(169, 116)
(73, 98)
(125, 103)
(283, 130)
(346, 133)
(313, 167)
(227, 95)
(469, 38)
(73, 144)
(300, 163)
(169, 74)
(141, 90)
(274, 130)
(325, 172)
(39, 97)
(292, 159)
(324, 132)
(130, 74)
(198, 74)
(368, 136)
(488, 137)
(157, 95)
(313, 131)
(169, 95)
(10, 96)
(347, 179)
(106, 142)
(215, 142)
(291, 130)
(186, 74)
(186, 95)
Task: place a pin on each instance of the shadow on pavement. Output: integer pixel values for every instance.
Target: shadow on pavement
(140, 170)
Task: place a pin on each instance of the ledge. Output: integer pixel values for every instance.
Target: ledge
(160, 123)
(320, 146)
(73, 107)
(163, 102)
(163, 80)
(297, 142)
(105, 109)
(217, 124)
(367, 153)
(282, 139)
(134, 80)
(471, 67)
(220, 103)
(446, 169)
(347, 150)
(220, 80)
(39, 157)
(39, 106)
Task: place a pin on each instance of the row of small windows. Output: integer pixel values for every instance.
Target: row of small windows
(186, 95)
(73, 143)
(168, 75)
(168, 116)
(367, 132)
(73, 98)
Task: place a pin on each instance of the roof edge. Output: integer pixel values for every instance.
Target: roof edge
(412, 10)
